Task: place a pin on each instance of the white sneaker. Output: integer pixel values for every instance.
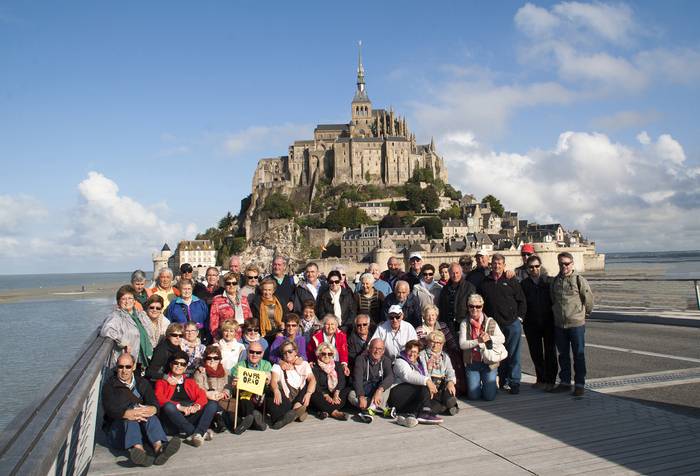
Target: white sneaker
(209, 435)
(195, 440)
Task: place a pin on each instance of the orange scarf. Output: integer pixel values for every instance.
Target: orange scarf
(265, 325)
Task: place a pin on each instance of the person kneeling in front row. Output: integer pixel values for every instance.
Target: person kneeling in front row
(439, 367)
(186, 409)
(331, 391)
(373, 377)
(130, 410)
(291, 385)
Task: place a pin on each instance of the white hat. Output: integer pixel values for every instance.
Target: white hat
(415, 254)
(395, 309)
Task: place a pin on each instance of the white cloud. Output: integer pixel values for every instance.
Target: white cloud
(536, 21)
(265, 138)
(18, 210)
(680, 66)
(625, 120)
(622, 196)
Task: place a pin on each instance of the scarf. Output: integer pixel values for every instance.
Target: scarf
(475, 330)
(215, 373)
(331, 373)
(145, 346)
(235, 302)
(417, 366)
(265, 325)
(434, 362)
(335, 300)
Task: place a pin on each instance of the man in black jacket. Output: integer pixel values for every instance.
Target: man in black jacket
(285, 283)
(505, 302)
(410, 305)
(310, 288)
(453, 299)
(130, 409)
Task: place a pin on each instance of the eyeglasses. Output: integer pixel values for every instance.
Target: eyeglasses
(526, 254)
(121, 367)
(534, 266)
(191, 330)
(213, 357)
(395, 317)
(180, 363)
(565, 263)
(334, 281)
(126, 298)
(154, 308)
(475, 306)
(175, 335)
(291, 324)
(361, 324)
(255, 352)
(289, 351)
(251, 277)
(326, 354)
(230, 283)
(436, 342)
(253, 329)
(428, 274)
(212, 275)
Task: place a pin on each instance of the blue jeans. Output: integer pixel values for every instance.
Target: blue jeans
(509, 370)
(186, 424)
(123, 434)
(574, 338)
(481, 381)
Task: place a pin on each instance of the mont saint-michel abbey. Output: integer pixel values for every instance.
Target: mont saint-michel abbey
(375, 147)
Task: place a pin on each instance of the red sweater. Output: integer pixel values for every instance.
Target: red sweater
(341, 345)
(165, 391)
(221, 310)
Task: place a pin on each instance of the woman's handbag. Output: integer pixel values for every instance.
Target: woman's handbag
(497, 352)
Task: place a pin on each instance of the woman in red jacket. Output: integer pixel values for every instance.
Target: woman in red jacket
(335, 337)
(185, 406)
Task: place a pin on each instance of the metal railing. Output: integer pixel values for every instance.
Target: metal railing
(55, 435)
(662, 287)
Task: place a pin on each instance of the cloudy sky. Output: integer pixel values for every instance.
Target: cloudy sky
(128, 125)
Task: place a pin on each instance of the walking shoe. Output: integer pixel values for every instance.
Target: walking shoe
(245, 424)
(390, 412)
(195, 439)
(561, 388)
(301, 413)
(514, 389)
(209, 435)
(578, 392)
(372, 410)
(453, 410)
(365, 417)
(167, 450)
(218, 424)
(139, 457)
(259, 421)
(426, 418)
(322, 415)
(338, 415)
(408, 421)
(505, 387)
(288, 417)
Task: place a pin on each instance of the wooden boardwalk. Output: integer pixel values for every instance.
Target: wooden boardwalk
(531, 433)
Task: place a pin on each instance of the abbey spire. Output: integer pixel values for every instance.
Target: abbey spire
(360, 94)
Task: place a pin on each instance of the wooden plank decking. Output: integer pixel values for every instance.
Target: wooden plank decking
(532, 433)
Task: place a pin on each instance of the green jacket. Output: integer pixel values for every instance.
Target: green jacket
(572, 300)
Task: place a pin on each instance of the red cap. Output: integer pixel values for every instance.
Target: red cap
(527, 248)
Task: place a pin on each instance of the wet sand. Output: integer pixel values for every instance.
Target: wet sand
(61, 292)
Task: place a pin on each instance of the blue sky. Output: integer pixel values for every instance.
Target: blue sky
(122, 126)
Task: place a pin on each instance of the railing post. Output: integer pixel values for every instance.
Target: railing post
(697, 293)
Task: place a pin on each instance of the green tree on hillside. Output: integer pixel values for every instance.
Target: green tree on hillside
(348, 217)
(390, 221)
(278, 206)
(226, 222)
(452, 192)
(430, 199)
(432, 225)
(495, 203)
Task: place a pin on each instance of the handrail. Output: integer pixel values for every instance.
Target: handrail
(696, 282)
(55, 434)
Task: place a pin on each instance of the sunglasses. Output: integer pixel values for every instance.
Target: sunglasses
(395, 317)
(253, 329)
(326, 354)
(120, 367)
(154, 308)
(428, 274)
(526, 254)
(175, 335)
(230, 283)
(251, 277)
(361, 324)
(534, 266)
(255, 352)
(292, 325)
(289, 351)
(334, 281)
(180, 363)
(565, 263)
(213, 357)
(474, 306)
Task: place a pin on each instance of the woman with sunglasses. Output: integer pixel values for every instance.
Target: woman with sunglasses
(331, 385)
(291, 390)
(451, 346)
(438, 365)
(427, 290)
(184, 405)
(159, 323)
(476, 333)
(337, 300)
(213, 379)
(229, 305)
(129, 328)
(292, 332)
(158, 367)
(251, 333)
(251, 277)
(193, 347)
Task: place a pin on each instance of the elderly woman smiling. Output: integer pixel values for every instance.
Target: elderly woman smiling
(130, 329)
(159, 323)
(164, 286)
(335, 337)
(331, 391)
(438, 365)
(188, 308)
(291, 389)
(369, 300)
(138, 281)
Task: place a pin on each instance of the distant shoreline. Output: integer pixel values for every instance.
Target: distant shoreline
(59, 293)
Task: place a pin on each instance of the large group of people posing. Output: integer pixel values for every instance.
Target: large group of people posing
(392, 344)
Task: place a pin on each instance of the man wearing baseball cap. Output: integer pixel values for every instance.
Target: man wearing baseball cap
(477, 275)
(395, 332)
(412, 276)
(521, 273)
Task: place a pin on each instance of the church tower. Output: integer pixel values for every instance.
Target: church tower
(361, 105)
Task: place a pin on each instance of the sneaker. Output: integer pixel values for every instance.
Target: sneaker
(372, 411)
(322, 415)
(301, 413)
(195, 439)
(453, 410)
(259, 421)
(288, 417)
(426, 418)
(139, 457)
(561, 388)
(389, 412)
(245, 423)
(209, 435)
(407, 421)
(578, 392)
(365, 417)
(338, 415)
(505, 387)
(167, 450)
(515, 389)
